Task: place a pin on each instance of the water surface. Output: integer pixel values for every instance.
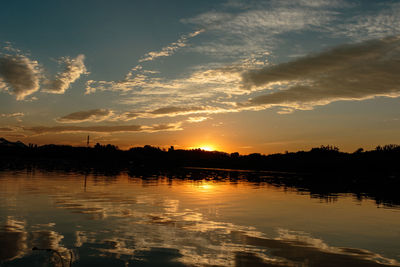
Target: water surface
(122, 220)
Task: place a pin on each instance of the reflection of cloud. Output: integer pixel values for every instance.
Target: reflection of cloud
(74, 68)
(350, 72)
(20, 75)
(83, 237)
(12, 239)
(169, 50)
(51, 240)
(294, 247)
(87, 115)
(139, 220)
(45, 239)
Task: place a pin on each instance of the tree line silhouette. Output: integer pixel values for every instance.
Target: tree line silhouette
(321, 171)
(382, 159)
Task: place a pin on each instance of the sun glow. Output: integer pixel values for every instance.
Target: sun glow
(207, 148)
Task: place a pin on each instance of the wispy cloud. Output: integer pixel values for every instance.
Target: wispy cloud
(176, 110)
(7, 129)
(213, 85)
(249, 33)
(19, 75)
(94, 115)
(196, 119)
(255, 27)
(170, 49)
(16, 115)
(350, 72)
(73, 69)
(374, 24)
(103, 128)
(98, 115)
(12, 115)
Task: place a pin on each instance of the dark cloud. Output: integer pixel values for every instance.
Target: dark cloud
(100, 129)
(20, 75)
(350, 72)
(165, 127)
(6, 129)
(175, 110)
(87, 115)
(103, 128)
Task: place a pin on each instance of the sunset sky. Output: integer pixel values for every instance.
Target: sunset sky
(246, 76)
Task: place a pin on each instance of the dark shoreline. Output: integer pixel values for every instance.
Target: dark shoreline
(325, 186)
(323, 172)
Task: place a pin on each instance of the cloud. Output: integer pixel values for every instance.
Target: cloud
(383, 22)
(7, 129)
(69, 129)
(19, 75)
(97, 115)
(126, 116)
(256, 27)
(211, 84)
(73, 69)
(196, 119)
(169, 50)
(173, 111)
(164, 127)
(349, 72)
(176, 110)
(16, 115)
(87, 115)
(103, 128)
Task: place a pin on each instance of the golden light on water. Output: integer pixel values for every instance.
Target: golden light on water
(206, 187)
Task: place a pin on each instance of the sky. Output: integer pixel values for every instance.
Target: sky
(235, 76)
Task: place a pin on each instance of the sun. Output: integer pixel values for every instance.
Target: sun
(207, 148)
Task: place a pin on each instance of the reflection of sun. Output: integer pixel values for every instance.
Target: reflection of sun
(205, 187)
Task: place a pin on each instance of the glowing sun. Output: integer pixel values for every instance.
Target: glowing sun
(207, 148)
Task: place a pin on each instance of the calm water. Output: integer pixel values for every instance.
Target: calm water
(129, 221)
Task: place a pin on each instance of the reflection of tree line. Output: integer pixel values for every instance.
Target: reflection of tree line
(326, 170)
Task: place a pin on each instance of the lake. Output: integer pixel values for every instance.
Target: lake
(199, 218)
